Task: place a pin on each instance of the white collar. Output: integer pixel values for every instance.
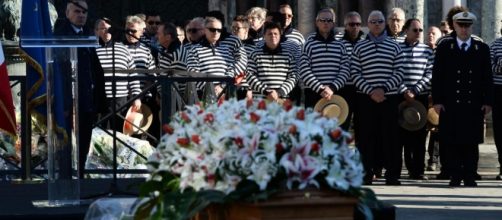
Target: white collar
(460, 42)
(76, 29)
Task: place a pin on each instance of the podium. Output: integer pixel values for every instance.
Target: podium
(62, 99)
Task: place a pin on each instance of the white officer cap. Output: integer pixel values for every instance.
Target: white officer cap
(464, 17)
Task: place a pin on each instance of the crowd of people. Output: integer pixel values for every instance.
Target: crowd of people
(454, 73)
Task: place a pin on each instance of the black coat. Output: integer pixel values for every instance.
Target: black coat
(462, 83)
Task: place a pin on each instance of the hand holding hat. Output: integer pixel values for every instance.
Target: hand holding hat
(334, 107)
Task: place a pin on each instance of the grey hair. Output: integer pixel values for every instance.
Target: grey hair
(326, 10)
(258, 11)
(133, 19)
(349, 15)
(396, 11)
(376, 13)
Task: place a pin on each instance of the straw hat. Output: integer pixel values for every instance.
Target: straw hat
(335, 107)
(433, 117)
(412, 115)
(142, 118)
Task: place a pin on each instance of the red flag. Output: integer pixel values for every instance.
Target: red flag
(7, 115)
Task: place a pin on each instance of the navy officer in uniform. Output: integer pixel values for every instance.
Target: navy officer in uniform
(462, 93)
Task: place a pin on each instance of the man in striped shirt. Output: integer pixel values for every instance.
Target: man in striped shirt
(271, 70)
(377, 71)
(240, 28)
(496, 56)
(351, 36)
(289, 31)
(418, 61)
(324, 65)
(395, 22)
(115, 55)
(215, 58)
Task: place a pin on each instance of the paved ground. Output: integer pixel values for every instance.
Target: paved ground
(434, 199)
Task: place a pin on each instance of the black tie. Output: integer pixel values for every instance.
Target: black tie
(463, 47)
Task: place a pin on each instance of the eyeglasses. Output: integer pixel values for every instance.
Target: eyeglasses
(325, 20)
(254, 18)
(193, 30)
(464, 25)
(416, 30)
(214, 30)
(354, 24)
(380, 21)
(131, 31)
(154, 22)
(287, 15)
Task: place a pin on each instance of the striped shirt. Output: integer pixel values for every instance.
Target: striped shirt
(174, 58)
(377, 65)
(418, 63)
(349, 46)
(216, 60)
(399, 37)
(249, 47)
(143, 59)
(295, 36)
(496, 56)
(271, 69)
(123, 61)
(324, 62)
(238, 51)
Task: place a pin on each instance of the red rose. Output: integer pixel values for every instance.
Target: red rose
(249, 103)
(183, 142)
(254, 117)
(300, 115)
(239, 142)
(287, 105)
(279, 148)
(335, 134)
(262, 105)
(196, 139)
(209, 117)
(315, 147)
(167, 129)
(185, 117)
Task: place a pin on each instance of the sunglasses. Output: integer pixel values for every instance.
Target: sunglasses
(154, 22)
(354, 24)
(464, 25)
(416, 30)
(131, 31)
(214, 30)
(193, 30)
(380, 21)
(325, 20)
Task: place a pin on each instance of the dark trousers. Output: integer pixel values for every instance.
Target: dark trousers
(311, 98)
(296, 95)
(154, 128)
(115, 122)
(349, 94)
(462, 160)
(377, 132)
(86, 120)
(497, 122)
(414, 145)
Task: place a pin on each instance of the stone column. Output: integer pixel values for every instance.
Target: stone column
(306, 16)
(491, 17)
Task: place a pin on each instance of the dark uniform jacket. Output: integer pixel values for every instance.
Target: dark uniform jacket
(90, 74)
(462, 83)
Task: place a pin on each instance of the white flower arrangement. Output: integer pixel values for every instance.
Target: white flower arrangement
(216, 147)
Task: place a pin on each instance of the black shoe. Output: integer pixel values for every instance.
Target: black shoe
(378, 173)
(432, 167)
(392, 182)
(498, 177)
(454, 182)
(443, 176)
(470, 183)
(478, 177)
